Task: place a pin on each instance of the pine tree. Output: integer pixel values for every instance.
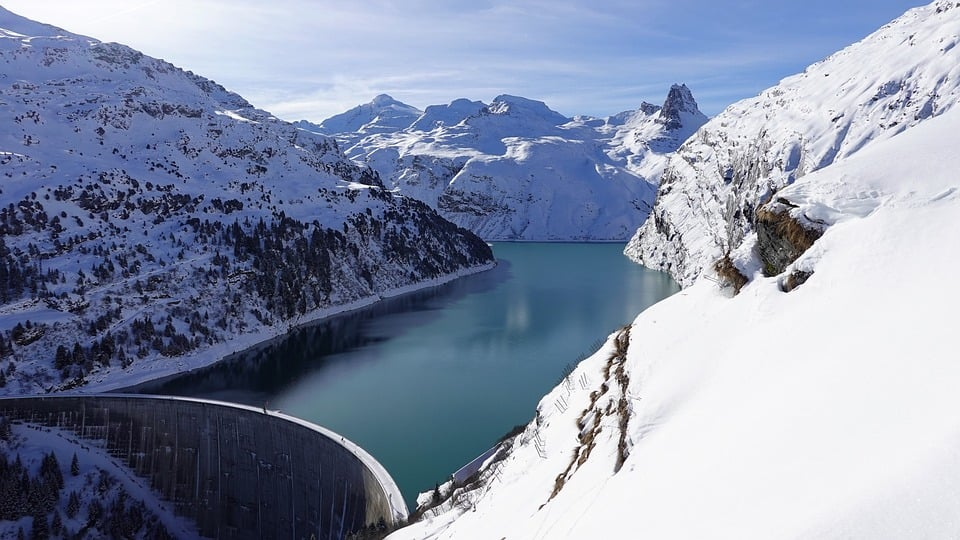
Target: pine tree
(73, 505)
(41, 529)
(75, 465)
(56, 527)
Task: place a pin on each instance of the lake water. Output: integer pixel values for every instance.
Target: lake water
(427, 381)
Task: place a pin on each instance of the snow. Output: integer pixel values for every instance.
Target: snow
(234, 116)
(825, 412)
(35, 314)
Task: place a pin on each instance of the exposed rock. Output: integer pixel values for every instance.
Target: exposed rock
(781, 239)
(794, 280)
(729, 274)
(678, 105)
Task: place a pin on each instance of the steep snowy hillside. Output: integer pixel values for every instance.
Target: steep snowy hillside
(515, 169)
(825, 412)
(151, 220)
(902, 75)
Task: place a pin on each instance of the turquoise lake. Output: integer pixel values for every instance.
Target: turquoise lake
(427, 381)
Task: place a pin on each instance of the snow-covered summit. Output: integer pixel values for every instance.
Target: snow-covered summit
(896, 78)
(516, 169)
(151, 220)
(525, 109)
(380, 115)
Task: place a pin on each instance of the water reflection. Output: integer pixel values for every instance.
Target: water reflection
(257, 375)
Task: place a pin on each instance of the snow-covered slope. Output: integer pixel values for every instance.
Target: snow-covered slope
(826, 412)
(150, 218)
(902, 75)
(515, 169)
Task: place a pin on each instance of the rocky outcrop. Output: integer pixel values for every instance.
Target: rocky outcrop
(781, 238)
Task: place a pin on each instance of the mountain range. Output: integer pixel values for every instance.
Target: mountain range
(514, 169)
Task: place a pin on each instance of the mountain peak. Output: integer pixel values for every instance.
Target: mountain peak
(380, 115)
(506, 104)
(386, 100)
(649, 108)
(679, 106)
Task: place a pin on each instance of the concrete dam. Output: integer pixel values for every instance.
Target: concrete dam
(239, 472)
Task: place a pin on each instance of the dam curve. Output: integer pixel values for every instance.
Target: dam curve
(237, 471)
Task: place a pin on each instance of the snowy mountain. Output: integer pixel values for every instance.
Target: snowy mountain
(709, 195)
(517, 170)
(822, 412)
(151, 220)
(383, 114)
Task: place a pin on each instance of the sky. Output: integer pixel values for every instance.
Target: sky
(312, 59)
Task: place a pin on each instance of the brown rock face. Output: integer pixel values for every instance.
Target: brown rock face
(781, 239)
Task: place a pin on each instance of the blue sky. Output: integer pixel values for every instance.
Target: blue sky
(311, 59)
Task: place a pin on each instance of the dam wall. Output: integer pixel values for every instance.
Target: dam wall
(237, 471)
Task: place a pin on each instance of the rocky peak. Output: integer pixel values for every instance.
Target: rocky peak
(650, 108)
(678, 106)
